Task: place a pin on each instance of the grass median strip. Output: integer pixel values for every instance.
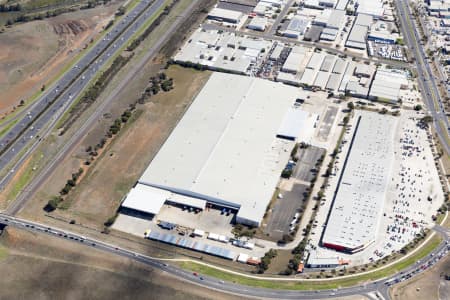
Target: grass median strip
(66, 115)
(314, 284)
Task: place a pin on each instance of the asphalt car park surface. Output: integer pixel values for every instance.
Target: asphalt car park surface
(284, 210)
(307, 159)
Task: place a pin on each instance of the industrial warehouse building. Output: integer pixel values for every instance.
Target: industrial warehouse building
(358, 34)
(359, 198)
(225, 15)
(218, 50)
(225, 149)
(387, 84)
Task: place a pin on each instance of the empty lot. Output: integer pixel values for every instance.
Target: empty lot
(37, 266)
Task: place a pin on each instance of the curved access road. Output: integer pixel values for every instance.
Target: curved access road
(378, 288)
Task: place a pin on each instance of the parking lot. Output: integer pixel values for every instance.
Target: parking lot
(327, 123)
(284, 210)
(292, 196)
(306, 163)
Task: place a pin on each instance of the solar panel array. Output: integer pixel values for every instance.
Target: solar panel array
(192, 245)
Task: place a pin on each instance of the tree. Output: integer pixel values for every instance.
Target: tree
(350, 106)
(121, 11)
(287, 173)
(345, 120)
(427, 119)
(320, 194)
(418, 107)
(52, 204)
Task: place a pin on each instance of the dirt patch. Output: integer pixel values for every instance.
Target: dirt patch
(47, 46)
(37, 267)
(424, 286)
(279, 263)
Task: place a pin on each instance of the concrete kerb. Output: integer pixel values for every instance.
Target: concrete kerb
(259, 277)
(298, 279)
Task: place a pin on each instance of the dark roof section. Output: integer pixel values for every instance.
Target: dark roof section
(313, 34)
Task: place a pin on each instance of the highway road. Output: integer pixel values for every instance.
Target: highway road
(44, 113)
(379, 288)
(426, 78)
(34, 185)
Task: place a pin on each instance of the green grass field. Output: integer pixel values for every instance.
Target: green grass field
(314, 284)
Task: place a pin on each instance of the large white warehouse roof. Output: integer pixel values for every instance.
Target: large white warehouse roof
(360, 196)
(225, 148)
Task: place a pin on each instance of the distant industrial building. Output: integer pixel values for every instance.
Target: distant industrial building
(294, 60)
(313, 33)
(274, 3)
(328, 63)
(358, 34)
(316, 60)
(329, 34)
(321, 80)
(330, 18)
(387, 84)
(289, 78)
(353, 222)
(355, 89)
(297, 27)
(222, 50)
(364, 20)
(315, 261)
(382, 37)
(363, 70)
(225, 149)
(372, 8)
(333, 82)
(258, 23)
(243, 6)
(312, 4)
(260, 9)
(327, 3)
(357, 37)
(225, 15)
(308, 77)
(276, 53)
(340, 66)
